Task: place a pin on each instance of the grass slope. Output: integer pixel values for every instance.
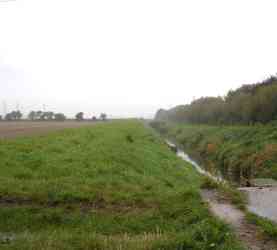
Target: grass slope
(110, 186)
(237, 151)
(265, 226)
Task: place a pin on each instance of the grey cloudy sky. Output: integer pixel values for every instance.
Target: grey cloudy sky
(129, 58)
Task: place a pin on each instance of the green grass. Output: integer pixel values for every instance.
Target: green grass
(110, 186)
(238, 152)
(227, 191)
(266, 226)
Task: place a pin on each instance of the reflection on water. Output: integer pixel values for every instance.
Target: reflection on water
(262, 201)
(180, 153)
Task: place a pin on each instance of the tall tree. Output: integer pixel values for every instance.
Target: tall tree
(9, 117)
(103, 117)
(32, 115)
(249, 104)
(79, 116)
(18, 115)
(60, 117)
(39, 114)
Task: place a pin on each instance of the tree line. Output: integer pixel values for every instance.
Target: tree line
(249, 104)
(16, 115)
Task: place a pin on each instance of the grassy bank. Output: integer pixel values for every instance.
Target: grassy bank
(265, 226)
(110, 186)
(240, 153)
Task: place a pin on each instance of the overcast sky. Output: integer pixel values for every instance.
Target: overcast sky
(129, 58)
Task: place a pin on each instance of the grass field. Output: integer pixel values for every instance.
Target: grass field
(239, 152)
(111, 186)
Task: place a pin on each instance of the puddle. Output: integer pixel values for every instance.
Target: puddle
(225, 211)
(262, 201)
(246, 232)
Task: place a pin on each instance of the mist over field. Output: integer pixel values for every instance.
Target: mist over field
(129, 59)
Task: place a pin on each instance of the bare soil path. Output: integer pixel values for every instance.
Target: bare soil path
(246, 232)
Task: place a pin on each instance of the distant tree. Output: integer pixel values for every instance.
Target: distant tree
(60, 117)
(80, 116)
(14, 115)
(43, 116)
(103, 117)
(47, 116)
(39, 114)
(9, 117)
(1, 118)
(32, 115)
(249, 104)
(50, 115)
(18, 115)
(161, 115)
(94, 118)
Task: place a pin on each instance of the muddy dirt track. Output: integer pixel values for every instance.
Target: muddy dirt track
(26, 128)
(248, 233)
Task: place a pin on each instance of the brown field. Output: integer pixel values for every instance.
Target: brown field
(25, 128)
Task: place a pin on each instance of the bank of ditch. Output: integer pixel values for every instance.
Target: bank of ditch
(226, 200)
(239, 153)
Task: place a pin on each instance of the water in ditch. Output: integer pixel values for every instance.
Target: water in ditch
(261, 200)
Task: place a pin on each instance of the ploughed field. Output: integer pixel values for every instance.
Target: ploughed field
(113, 185)
(22, 128)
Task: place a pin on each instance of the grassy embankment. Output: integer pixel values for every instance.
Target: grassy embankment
(240, 153)
(265, 226)
(233, 151)
(110, 186)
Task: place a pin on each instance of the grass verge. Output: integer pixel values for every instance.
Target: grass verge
(112, 186)
(266, 226)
